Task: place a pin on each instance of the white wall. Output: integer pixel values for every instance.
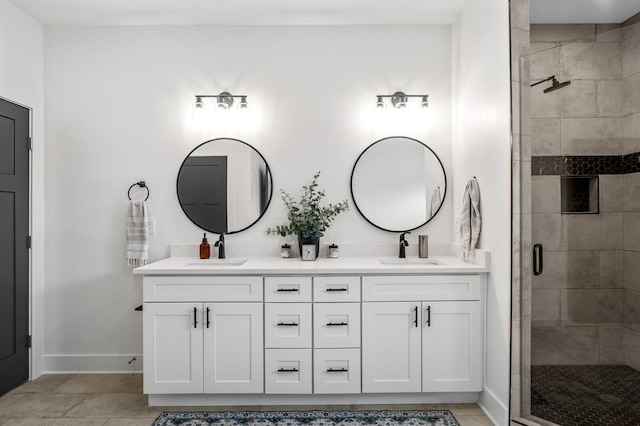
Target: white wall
(481, 148)
(21, 81)
(118, 111)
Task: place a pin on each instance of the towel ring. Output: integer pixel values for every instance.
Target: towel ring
(141, 184)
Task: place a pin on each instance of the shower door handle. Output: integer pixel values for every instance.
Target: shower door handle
(537, 259)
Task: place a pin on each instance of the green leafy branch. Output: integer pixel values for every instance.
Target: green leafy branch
(306, 217)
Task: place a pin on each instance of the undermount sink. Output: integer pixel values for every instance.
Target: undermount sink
(409, 262)
(215, 263)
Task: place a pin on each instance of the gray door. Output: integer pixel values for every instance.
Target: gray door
(202, 188)
(14, 251)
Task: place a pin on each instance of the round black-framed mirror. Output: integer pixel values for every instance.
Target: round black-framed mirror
(224, 185)
(398, 184)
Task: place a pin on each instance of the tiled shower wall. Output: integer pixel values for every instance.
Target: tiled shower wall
(585, 306)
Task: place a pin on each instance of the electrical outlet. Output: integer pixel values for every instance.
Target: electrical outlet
(151, 225)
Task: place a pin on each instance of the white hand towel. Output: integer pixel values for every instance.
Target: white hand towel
(137, 234)
(436, 200)
(470, 219)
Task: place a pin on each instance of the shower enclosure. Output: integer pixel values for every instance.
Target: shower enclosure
(581, 347)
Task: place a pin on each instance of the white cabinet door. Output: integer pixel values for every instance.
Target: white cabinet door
(336, 325)
(391, 360)
(451, 347)
(288, 371)
(233, 348)
(172, 346)
(287, 325)
(336, 371)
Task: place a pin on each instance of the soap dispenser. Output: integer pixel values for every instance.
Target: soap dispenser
(205, 248)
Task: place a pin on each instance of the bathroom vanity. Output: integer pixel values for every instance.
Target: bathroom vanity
(334, 331)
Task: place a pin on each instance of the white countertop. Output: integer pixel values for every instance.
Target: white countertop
(322, 265)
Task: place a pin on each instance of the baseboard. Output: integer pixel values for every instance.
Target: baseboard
(63, 364)
(185, 400)
(497, 412)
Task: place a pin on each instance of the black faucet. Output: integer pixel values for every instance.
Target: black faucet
(403, 244)
(220, 245)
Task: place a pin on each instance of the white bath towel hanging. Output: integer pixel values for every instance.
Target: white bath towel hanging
(137, 234)
(470, 219)
(436, 200)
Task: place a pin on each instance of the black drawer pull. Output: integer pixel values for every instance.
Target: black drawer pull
(287, 324)
(195, 317)
(287, 289)
(337, 289)
(336, 324)
(428, 316)
(287, 370)
(337, 370)
(416, 320)
(208, 320)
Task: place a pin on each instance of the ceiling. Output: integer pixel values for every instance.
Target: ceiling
(304, 12)
(241, 12)
(582, 11)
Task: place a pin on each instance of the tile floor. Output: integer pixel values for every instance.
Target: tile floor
(117, 399)
(576, 395)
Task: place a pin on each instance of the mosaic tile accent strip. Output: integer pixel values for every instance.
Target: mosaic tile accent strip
(585, 165)
(577, 165)
(632, 163)
(576, 395)
(309, 418)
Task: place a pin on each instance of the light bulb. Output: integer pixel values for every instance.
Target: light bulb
(199, 112)
(380, 103)
(424, 103)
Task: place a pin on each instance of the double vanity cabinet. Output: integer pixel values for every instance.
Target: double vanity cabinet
(282, 331)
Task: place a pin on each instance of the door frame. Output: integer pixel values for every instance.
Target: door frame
(30, 256)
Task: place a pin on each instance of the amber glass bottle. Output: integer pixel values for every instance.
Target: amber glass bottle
(205, 249)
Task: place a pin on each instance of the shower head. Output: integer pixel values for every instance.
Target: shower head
(555, 84)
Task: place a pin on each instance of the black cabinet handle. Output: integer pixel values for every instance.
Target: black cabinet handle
(337, 370)
(195, 317)
(208, 321)
(537, 259)
(428, 316)
(287, 289)
(336, 324)
(337, 289)
(287, 324)
(416, 320)
(287, 370)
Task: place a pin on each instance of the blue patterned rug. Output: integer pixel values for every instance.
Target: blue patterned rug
(308, 418)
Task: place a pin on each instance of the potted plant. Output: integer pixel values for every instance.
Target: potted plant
(307, 219)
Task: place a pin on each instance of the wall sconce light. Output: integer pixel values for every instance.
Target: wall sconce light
(400, 100)
(221, 108)
(224, 100)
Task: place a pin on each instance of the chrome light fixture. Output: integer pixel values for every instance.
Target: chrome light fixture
(223, 109)
(400, 100)
(224, 101)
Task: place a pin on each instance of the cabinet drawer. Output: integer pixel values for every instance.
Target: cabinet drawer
(202, 289)
(287, 289)
(287, 325)
(336, 325)
(421, 287)
(336, 371)
(336, 289)
(287, 371)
